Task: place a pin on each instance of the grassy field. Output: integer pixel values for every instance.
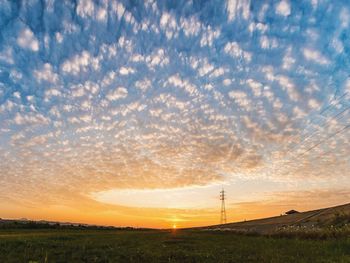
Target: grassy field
(163, 246)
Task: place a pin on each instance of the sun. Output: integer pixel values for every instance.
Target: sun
(174, 226)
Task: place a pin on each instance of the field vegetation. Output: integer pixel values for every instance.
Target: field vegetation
(88, 245)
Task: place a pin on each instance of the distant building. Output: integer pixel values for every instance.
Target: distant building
(291, 212)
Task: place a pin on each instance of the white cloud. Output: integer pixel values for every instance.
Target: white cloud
(59, 37)
(344, 17)
(27, 40)
(108, 78)
(118, 93)
(85, 8)
(191, 26)
(226, 82)
(283, 8)
(168, 25)
(30, 119)
(7, 106)
(158, 58)
(258, 26)
(54, 111)
(118, 8)
(314, 104)
(85, 118)
(298, 113)
(177, 81)
(15, 75)
(288, 59)
(91, 87)
(77, 91)
(217, 72)
(126, 70)
(255, 86)
(143, 85)
(231, 9)
(46, 74)
(51, 93)
(337, 45)
(7, 55)
(208, 36)
(208, 87)
(101, 14)
(288, 86)
(267, 43)
(171, 101)
(17, 95)
(241, 98)
(137, 58)
(80, 63)
(235, 7)
(233, 49)
(315, 56)
(205, 68)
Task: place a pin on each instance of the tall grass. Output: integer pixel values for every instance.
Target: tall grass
(162, 246)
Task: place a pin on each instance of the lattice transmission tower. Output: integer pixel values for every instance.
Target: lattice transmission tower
(223, 209)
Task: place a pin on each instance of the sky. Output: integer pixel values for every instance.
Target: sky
(138, 113)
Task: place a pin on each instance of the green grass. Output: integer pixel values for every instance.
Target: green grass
(162, 246)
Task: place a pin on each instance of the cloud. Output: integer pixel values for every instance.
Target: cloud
(27, 40)
(59, 37)
(177, 81)
(118, 93)
(30, 119)
(208, 36)
(169, 25)
(190, 26)
(88, 9)
(158, 58)
(283, 8)
(289, 87)
(126, 71)
(237, 6)
(143, 85)
(255, 86)
(241, 98)
(233, 49)
(52, 92)
(80, 63)
(314, 104)
(205, 68)
(46, 74)
(7, 56)
(315, 56)
(85, 7)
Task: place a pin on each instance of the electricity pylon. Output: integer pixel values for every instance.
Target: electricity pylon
(223, 209)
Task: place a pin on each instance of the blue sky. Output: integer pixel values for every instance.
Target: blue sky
(104, 95)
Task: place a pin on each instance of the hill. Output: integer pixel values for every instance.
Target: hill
(332, 217)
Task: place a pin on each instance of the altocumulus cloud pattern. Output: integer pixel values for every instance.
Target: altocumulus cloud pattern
(96, 95)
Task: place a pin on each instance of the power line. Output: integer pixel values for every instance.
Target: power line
(330, 105)
(325, 125)
(319, 143)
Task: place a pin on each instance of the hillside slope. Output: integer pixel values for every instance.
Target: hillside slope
(332, 216)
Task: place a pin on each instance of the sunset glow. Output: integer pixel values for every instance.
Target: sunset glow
(138, 113)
